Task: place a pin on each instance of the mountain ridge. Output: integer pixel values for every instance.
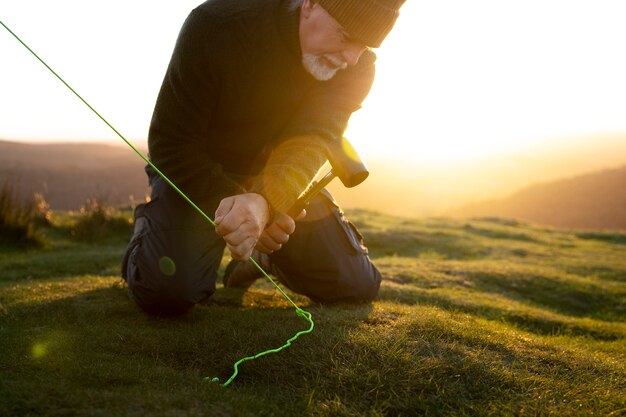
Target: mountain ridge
(66, 174)
(596, 200)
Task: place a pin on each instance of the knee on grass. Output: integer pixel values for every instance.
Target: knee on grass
(169, 296)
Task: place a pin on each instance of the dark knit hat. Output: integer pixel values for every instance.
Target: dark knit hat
(368, 21)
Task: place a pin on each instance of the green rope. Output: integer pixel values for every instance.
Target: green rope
(302, 313)
(305, 314)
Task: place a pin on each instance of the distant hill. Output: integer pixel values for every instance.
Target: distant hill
(66, 174)
(416, 187)
(592, 201)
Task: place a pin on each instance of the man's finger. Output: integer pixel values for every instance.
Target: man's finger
(242, 251)
(285, 223)
(272, 243)
(236, 238)
(276, 234)
(225, 206)
(231, 223)
(264, 249)
(227, 225)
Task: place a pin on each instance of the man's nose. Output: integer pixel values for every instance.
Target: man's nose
(352, 53)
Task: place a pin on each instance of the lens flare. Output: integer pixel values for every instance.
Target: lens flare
(39, 350)
(167, 266)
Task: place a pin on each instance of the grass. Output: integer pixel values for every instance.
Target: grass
(474, 318)
(98, 220)
(17, 219)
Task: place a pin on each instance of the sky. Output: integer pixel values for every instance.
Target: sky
(456, 80)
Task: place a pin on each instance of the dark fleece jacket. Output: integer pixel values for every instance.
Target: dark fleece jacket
(238, 113)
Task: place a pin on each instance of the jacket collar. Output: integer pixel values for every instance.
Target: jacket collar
(288, 22)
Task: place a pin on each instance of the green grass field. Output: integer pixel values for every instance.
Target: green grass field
(474, 318)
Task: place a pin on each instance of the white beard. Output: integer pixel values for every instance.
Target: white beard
(318, 69)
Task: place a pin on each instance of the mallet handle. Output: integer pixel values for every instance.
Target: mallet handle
(311, 192)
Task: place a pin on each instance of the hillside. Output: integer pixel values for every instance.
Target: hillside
(474, 318)
(67, 174)
(592, 201)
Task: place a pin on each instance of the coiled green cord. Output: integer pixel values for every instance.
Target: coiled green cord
(302, 313)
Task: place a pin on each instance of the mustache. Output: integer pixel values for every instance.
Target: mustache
(338, 63)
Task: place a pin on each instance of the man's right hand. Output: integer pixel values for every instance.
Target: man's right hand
(240, 220)
(277, 234)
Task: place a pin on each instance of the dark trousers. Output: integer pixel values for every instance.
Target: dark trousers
(173, 256)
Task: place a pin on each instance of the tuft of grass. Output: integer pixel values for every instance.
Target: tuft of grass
(43, 213)
(17, 220)
(98, 220)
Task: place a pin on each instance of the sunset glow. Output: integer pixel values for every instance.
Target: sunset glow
(463, 80)
(455, 80)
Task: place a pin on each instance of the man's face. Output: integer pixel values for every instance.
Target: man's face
(326, 46)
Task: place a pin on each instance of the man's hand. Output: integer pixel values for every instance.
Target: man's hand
(277, 234)
(240, 220)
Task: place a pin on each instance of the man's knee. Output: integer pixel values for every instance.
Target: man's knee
(354, 280)
(326, 258)
(167, 299)
(366, 286)
(335, 279)
(167, 272)
(164, 287)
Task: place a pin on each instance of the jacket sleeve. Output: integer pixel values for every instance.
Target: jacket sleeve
(322, 117)
(186, 102)
(328, 106)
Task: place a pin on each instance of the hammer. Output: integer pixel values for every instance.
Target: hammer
(345, 163)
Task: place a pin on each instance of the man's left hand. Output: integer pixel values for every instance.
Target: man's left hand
(277, 234)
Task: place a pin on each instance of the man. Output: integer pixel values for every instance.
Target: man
(254, 92)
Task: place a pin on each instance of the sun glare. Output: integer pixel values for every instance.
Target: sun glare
(455, 81)
(453, 85)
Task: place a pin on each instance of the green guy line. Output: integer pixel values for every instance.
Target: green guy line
(305, 314)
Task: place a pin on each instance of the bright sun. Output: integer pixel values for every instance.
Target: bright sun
(455, 81)
(465, 82)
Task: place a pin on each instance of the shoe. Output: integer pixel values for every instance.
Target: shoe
(242, 274)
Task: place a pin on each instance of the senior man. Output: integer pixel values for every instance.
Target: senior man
(254, 93)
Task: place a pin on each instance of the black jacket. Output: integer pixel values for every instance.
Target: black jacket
(234, 90)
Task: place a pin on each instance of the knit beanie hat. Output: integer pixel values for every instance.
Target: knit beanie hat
(368, 21)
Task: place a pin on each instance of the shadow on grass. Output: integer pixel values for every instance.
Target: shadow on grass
(70, 261)
(409, 243)
(432, 365)
(563, 296)
(99, 340)
(400, 375)
(545, 326)
(618, 238)
(95, 353)
(602, 272)
(498, 234)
